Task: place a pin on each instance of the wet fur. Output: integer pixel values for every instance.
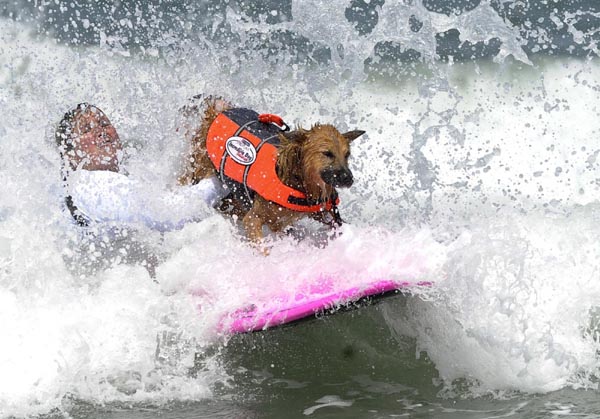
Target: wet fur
(300, 163)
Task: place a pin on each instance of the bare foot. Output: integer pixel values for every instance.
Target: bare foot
(219, 104)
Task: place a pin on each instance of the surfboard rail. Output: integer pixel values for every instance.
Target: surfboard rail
(319, 298)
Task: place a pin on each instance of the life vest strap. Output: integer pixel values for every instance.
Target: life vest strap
(327, 204)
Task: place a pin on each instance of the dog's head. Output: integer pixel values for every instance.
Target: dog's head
(323, 153)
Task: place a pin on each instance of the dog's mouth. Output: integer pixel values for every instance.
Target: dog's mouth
(340, 178)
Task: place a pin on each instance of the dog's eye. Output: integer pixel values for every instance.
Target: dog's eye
(328, 154)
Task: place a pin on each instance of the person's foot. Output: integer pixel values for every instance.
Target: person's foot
(220, 104)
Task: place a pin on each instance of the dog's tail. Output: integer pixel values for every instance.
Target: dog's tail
(198, 115)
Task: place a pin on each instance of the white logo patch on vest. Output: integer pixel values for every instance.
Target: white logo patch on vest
(241, 150)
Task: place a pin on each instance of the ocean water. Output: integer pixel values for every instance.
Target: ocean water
(479, 171)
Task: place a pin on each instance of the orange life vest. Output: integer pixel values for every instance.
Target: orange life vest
(244, 153)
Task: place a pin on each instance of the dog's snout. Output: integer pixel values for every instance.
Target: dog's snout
(341, 177)
(345, 178)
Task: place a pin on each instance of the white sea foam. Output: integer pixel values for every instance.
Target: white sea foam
(481, 177)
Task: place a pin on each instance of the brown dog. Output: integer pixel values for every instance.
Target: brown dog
(309, 165)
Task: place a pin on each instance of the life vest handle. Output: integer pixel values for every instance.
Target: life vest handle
(269, 118)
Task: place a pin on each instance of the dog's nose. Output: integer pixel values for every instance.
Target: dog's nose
(344, 178)
(339, 178)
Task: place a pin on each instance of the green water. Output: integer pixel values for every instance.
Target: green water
(350, 365)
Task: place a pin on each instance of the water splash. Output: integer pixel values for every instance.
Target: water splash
(450, 151)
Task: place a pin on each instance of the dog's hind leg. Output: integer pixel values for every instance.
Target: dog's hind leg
(199, 165)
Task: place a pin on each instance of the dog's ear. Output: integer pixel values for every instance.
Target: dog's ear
(352, 135)
(296, 136)
(289, 158)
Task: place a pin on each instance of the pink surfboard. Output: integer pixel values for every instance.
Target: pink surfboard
(318, 298)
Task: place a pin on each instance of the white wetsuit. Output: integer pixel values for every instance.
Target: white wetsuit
(115, 208)
(109, 197)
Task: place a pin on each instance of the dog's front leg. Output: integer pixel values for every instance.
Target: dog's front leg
(253, 224)
(330, 218)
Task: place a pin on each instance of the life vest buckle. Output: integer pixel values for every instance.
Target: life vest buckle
(269, 118)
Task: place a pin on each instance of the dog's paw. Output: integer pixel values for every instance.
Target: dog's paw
(260, 248)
